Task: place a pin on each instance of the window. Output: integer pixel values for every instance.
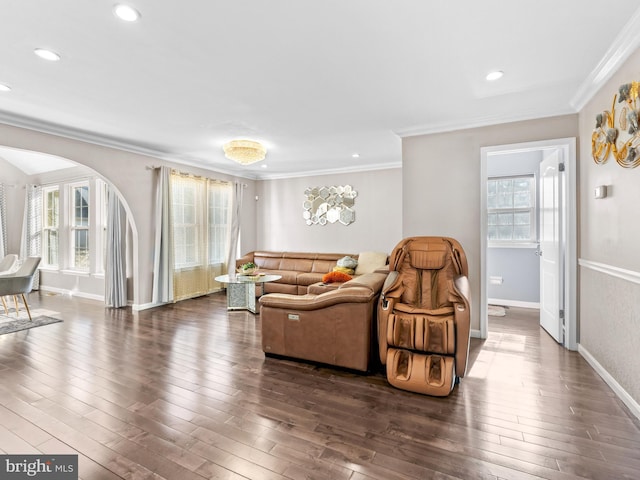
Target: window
(511, 209)
(79, 224)
(219, 199)
(50, 225)
(200, 223)
(186, 227)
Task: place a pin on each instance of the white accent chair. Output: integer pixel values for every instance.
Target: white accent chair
(19, 283)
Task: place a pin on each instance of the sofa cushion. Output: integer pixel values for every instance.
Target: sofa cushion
(323, 266)
(306, 279)
(369, 262)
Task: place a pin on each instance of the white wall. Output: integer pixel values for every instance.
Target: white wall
(378, 207)
(441, 183)
(609, 253)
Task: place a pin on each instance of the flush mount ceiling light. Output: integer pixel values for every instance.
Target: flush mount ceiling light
(47, 54)
(126, 13)
(244, 152)
(356, 155)
(495, 75)
(4, 88)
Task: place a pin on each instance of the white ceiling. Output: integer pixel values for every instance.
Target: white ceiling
(314, 80)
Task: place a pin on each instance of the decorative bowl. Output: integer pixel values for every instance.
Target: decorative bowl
(248, 269)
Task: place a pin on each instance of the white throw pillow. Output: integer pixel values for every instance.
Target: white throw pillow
(370, 261)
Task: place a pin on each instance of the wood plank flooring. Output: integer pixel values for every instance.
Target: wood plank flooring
(184, 392)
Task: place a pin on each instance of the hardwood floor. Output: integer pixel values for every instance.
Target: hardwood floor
(184, 392)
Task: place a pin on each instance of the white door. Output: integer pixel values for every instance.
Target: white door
(551, 241)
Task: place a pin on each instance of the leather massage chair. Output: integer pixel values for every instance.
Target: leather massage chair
(424, 316)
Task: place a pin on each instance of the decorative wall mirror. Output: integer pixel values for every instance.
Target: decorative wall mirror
(329, 204)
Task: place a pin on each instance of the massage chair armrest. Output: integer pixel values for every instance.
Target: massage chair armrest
(461, 283)
(355, 294)
(462, 311)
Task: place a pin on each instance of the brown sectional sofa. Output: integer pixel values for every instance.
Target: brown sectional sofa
(299, 270)
(335, 327)
(306, 319)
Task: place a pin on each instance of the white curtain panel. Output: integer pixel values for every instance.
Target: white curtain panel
(3, 222)
(163, 253)
(31, 243)
(115, 269)
(234, 234)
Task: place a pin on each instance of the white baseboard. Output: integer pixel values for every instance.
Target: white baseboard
(475, 334)
(512, 303)
(63, 291)
(145, 306)
(621, 393)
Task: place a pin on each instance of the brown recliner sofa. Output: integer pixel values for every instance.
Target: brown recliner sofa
(424, 316)
(334, 327)
(299, 270)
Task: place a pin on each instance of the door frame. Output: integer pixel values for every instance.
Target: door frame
(569, 227)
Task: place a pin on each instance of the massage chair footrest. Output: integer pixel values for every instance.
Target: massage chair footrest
(421, 373)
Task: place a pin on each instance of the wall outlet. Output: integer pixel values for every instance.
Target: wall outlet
(495, 280)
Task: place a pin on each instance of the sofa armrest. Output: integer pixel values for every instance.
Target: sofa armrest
(244, 259)
(372, 281)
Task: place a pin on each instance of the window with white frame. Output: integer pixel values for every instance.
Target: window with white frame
(511, 209)
(187, 213)
(219, 199)
(50, 226)
(79, 202)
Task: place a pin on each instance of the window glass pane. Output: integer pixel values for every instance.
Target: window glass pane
(522, 200)
(81, 249)
(521, 232)
(81, 206)
(505, 218)
(511, 204)
(505, 232)
(50, 222)
(521, 218)
(51, 247)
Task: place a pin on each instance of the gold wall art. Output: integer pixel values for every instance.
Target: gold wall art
(622, 140)
(329, 204)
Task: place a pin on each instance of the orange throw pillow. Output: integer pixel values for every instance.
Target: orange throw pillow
(335, 277)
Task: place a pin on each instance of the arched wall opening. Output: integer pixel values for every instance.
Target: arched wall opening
(21, 167)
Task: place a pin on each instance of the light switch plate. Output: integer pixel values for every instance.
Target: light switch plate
(601, 191)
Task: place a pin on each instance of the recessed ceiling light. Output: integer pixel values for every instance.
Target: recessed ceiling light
(264, 165)
(495, 75)
(126, 13)
(4, 88)
(356, 155)
(47, 54)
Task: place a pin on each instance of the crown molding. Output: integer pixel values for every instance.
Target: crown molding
(478, 122)
(314, 173)
(109, 142)
(622, 47)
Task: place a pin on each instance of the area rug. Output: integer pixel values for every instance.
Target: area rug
(496, 311)
(10, 323)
